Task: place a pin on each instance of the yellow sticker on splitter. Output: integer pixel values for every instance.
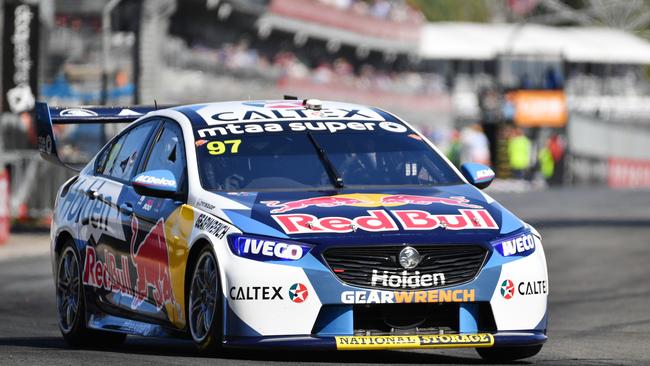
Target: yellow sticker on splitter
(419, 341)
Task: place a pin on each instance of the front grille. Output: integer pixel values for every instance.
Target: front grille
(356, 266)
(403, 319)
(406, 319)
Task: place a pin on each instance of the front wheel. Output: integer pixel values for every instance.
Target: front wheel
(204, 310)
(71, 307)
(504, 354)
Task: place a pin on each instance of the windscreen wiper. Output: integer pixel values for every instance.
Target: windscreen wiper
(336, 179)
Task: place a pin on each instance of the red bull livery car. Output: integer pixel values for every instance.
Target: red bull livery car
(286, 223)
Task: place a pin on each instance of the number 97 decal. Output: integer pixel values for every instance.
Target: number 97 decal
(219, 147)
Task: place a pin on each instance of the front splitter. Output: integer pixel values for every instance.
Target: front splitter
(466, 340)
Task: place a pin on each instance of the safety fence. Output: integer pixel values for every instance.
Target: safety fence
(28, 184)
(33, 184)
(609, 151)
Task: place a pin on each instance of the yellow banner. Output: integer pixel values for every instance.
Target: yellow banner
(419, 341)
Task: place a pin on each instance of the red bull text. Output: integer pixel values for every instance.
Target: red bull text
(107, 274)
(381, 220)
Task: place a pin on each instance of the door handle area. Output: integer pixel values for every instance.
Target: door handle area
(92, 194)
(126, 208)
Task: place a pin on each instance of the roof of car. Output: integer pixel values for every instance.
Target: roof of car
(220, 113)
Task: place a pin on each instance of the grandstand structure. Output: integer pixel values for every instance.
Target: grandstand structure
(439, 76)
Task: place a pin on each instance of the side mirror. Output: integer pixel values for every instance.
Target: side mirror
(478, 175)
(155, 183)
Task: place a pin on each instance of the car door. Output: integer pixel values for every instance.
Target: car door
(153, 250)
(107, 265)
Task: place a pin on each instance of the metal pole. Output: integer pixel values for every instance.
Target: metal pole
(106, 39)
(136, 52)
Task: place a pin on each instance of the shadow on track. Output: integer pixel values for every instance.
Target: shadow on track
(175, 348)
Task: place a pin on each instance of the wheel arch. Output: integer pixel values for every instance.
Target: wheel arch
(192, 256)
(61, 238)
(195, 250)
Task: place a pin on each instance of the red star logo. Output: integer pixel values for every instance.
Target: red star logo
(298, 293)
(507, 289)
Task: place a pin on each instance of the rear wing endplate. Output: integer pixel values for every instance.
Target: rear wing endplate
(47, 116)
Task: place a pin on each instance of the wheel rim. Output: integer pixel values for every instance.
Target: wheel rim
(203, 297)
(67, 290)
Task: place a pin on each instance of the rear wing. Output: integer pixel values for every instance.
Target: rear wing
(47, 117)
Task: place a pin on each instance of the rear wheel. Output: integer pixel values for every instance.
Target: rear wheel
(508, 353)
(71, 308)
(204, 310)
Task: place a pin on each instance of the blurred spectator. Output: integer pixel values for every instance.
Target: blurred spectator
(519, 150)
(525, 82)
(557, 148)
(380, 9)
(552, 79)
(323, 73)
(343, 68)
(454, 149)
(474, 145)
(629, 80)
(546, 163)
(298, 64)
(394, 10)
(62, 92)
(60, 88)
(290, 65)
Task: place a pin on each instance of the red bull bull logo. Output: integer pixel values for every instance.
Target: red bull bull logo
(151, 261)
(368, 200)
(326, 201)
(405, 199)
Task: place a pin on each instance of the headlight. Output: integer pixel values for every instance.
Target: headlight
(521, 244)
(267, 249)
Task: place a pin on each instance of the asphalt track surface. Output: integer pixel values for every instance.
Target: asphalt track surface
(598, 249)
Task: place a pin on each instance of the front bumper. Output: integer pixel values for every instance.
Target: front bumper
(261, 305)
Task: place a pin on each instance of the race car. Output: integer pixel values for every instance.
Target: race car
(290, 223)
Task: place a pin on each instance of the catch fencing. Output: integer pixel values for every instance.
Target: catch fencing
(33, 182)
(609, 151)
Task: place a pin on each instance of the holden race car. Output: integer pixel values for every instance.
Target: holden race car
(287, 223)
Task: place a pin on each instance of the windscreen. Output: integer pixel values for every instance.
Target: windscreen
(316, 159)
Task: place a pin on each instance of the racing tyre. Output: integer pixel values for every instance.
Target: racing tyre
(204, 310)
(71, 307)
(504, 354)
